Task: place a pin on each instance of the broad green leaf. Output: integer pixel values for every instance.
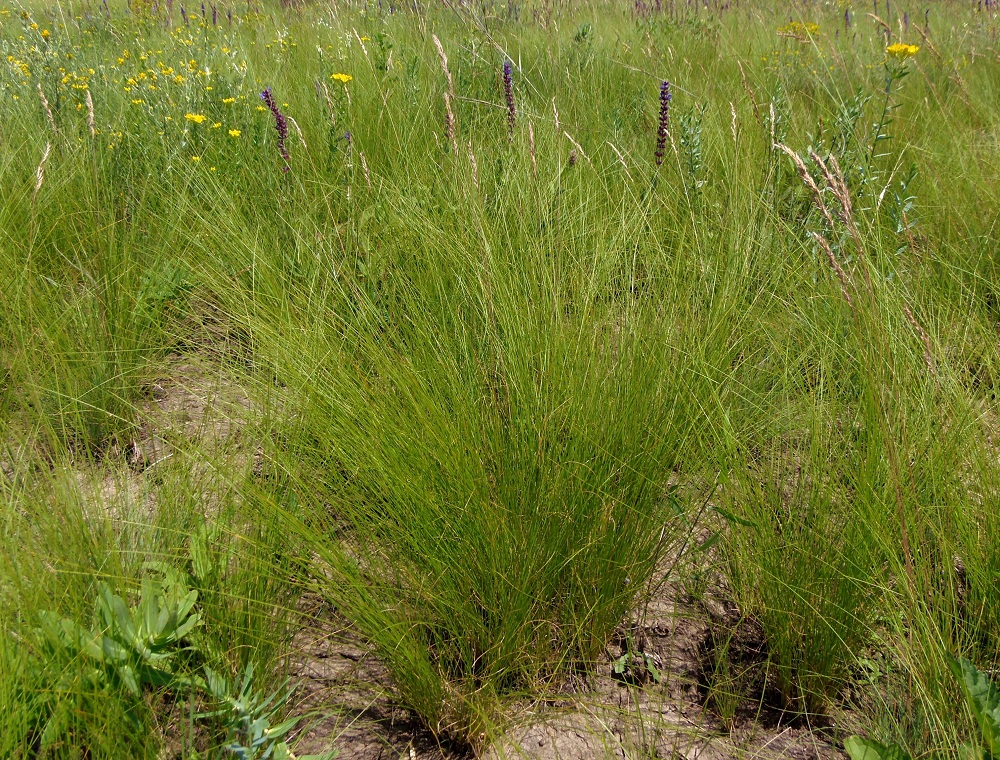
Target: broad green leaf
(868, 749)
(150, 611)
(983, 698)
(113, 650)
(276, 732)
(202, 562)
(128, 677)
(117, 613)
(622, 663)
(218, 685)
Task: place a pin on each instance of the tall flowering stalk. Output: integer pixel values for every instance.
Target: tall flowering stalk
(90, 114)
(508, 91)
(40, 172)
(661, 130)
(48, 111)
(280, 124)
(450, 128)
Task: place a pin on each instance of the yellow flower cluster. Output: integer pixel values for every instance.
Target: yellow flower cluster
(20, 65)
(798, 30)
(345, 78)
(197, 118)
(902, 51)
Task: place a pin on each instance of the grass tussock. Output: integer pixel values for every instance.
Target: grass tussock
(512, 314)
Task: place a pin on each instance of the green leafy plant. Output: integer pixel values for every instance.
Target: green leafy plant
(248, 717)
(142, 646)
(868, 749)
(983, 699)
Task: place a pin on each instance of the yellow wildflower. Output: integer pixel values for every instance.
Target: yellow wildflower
(137, 101)
(798, 30)
(234, 133)
(216, 125)
(902, 51)
(345, 78)
(197, 118)
(46, 34)
(227, 101)
(196, 159)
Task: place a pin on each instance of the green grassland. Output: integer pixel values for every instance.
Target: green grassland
(489, 366)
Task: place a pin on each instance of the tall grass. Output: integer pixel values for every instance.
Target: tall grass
(488, 372)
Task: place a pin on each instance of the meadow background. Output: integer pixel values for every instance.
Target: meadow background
(472, 340)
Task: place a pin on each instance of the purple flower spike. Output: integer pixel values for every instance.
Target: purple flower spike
(508, 91)
(661, 130)
(280, 124)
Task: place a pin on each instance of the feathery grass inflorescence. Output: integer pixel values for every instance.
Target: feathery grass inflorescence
(48, 110)
(450, 125)
(40, 172)
(90, 114)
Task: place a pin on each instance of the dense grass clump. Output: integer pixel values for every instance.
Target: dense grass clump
(476, 324)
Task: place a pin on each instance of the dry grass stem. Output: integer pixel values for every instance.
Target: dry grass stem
(90, 114)
(48, 111)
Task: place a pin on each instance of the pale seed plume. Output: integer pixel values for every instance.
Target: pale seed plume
(90, 114)
(752, 94)
(299, 132)
(364, 168)
(40, 172)
(449, 125)
(475, 166)
(845, 280)
(444, 65)
(621, 158)
(48, 111)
